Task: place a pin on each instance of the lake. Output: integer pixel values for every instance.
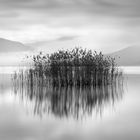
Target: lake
(70, 114)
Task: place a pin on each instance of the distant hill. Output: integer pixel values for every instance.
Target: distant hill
(127, 57)
(12, 46)
(12, 52)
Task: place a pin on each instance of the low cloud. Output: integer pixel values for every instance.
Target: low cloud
(67, 38)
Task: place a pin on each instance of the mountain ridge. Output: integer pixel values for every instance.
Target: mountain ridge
(12, 46)
(129, 56)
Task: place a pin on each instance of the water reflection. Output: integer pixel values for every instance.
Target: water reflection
(70, 101)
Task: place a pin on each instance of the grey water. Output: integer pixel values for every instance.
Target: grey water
(110, 113)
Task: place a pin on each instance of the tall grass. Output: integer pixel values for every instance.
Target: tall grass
(76, 67)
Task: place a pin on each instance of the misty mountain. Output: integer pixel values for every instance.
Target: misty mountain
(12, 46)
(127, 57)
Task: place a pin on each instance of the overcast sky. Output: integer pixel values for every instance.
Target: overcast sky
(107, 25)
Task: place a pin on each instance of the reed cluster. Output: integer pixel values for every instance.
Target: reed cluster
(76, 67)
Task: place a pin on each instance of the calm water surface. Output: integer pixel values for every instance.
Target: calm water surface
(113, 115)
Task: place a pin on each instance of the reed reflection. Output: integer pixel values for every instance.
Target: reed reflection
(70, 101)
